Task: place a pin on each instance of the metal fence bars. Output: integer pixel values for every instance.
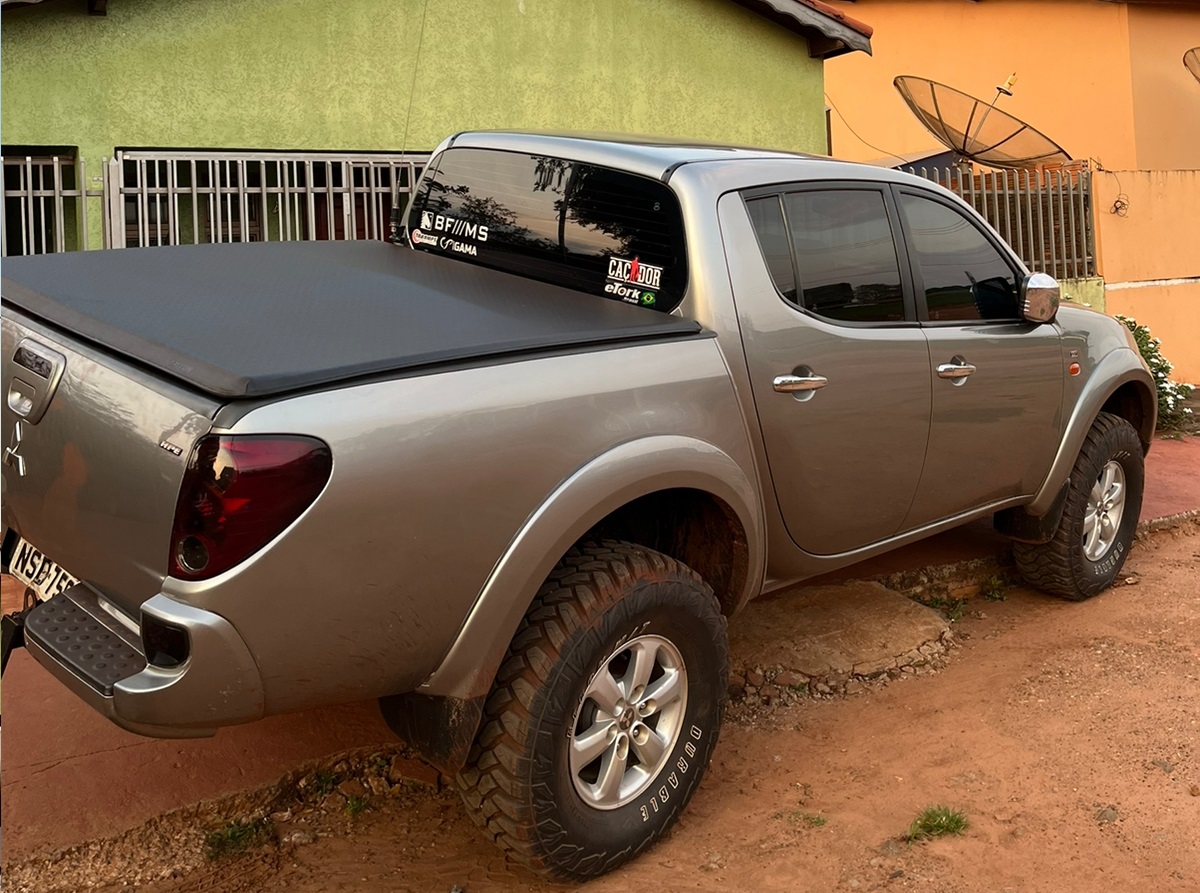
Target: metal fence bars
(160, 197)
(43, 209)
(1044, 214)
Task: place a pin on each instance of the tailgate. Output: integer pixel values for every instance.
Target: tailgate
(95, 450)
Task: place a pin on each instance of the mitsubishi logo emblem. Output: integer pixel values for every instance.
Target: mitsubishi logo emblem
(12, 457)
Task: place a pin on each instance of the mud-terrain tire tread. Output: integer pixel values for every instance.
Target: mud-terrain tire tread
(1056, 566)
(588, 582)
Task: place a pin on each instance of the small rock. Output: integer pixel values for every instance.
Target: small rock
(1195, 792)
(755, 678)
(853, 884)
(1107, 815)
(899, 872)
(1163, 765)
(404, 769)
(824, 689)
(280, 817)
(770, 693)
(788, 679)
(341, 767)
(853, 687)
(352, 788)
(299, 837)
(378, 786)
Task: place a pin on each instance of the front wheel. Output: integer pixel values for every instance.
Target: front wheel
(604, 714)
(1104, 500)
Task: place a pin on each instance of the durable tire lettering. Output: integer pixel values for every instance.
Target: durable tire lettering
(696, 733)
(654, 803)
(690, 750)
(663, 794)
(645, 814)
(673, 780)
(682, 766)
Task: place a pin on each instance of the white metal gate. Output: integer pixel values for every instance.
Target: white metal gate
(166, 197)
(43, 210)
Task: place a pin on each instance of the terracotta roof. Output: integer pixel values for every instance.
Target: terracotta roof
(861, 27)
(828, 30)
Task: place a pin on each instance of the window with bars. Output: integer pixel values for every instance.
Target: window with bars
(42, 209)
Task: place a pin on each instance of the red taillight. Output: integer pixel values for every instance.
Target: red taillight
(238, 494)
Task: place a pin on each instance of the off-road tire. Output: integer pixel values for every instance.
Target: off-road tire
(1060, 566)
(518, 785)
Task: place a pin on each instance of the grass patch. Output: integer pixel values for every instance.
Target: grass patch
(951, 608)
(236, 837)
(936, 821)
(356, 806)
(993, 589)
(797, 817)
(324, 781)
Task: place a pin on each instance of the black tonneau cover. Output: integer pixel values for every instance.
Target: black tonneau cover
(252, 320)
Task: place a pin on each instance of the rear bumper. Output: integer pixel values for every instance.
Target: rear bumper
(103, 662)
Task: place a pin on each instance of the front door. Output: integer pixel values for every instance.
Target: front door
(997, 380)
(838, 362)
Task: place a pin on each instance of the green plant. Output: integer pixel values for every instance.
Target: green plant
(993, 588)
(1172, 414)
(324, 781)
(356, 806)
(235, 837)
(951, 608)
(936, 821)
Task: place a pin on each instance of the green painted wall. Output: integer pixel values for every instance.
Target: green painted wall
(321, 75)
(1084, 291)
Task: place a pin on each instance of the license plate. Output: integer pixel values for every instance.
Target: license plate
(39, 573)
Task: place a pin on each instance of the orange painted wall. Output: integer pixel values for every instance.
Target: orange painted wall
(1154, 240)
(1071, 58)
(1166, 98)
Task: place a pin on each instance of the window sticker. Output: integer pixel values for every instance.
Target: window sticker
(633, 281)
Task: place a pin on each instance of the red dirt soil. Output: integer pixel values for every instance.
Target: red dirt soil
(1068, 734)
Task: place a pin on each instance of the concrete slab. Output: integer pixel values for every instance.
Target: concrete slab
(849, 629)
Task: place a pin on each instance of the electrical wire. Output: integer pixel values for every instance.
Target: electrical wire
(412, 87)
(1120, 205)
(860, 139)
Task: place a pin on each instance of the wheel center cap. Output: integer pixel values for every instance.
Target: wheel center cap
(626, 719)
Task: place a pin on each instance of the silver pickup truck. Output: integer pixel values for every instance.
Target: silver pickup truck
(512, 474)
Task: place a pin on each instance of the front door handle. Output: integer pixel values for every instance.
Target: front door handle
(790, 384)
(957, 369)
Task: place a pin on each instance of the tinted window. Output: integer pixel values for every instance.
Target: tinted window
(586, 227)
(845, 255)
(965, 277)
(766, 215)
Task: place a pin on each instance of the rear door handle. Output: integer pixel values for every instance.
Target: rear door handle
(790, 384)
(958, 369)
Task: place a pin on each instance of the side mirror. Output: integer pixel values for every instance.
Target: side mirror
(1040, 297)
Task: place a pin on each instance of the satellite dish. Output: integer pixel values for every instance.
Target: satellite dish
(975, 130)
(1191, 61)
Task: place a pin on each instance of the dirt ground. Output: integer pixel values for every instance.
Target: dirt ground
(1069, 735)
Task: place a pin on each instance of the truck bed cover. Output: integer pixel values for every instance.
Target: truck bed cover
(254, 320)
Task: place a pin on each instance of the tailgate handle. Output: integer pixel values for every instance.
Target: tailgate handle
(40, 371)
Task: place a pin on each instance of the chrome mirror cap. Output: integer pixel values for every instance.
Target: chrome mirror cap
(1040, 297)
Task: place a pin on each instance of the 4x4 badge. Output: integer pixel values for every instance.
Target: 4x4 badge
(12, 457)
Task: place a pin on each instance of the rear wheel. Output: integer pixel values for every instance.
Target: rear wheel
(604, 714)
(1104, 501)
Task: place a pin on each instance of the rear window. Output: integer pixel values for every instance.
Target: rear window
(590, 228)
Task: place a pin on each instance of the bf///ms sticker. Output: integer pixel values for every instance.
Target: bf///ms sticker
(665, 791)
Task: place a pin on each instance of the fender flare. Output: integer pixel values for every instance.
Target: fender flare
(1116, 369)
(607, 482)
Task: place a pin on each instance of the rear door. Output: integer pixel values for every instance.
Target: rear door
(825, 306)
(95, 451)
(996, 379)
